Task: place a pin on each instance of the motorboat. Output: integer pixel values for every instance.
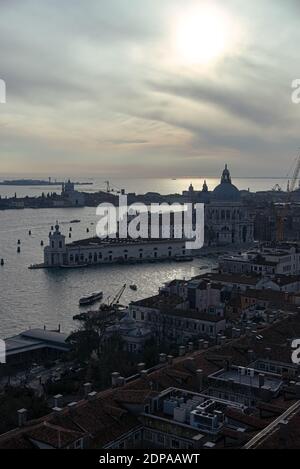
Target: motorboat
(91, 298)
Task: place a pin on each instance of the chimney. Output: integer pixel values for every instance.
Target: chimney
(72, 406)
(199, 375)
(261, 380)
(22, 417)
(114, 378)
(162, 358)
(190, 364)
(120, 381)
(200, 344)
(57, 410)
(87, 388)
(58, 400)
(190, 347)
(208, 295)
(181, 350)
(251, 355)
(91, 396)
(222, 340)
(141, 367)
(170, 359)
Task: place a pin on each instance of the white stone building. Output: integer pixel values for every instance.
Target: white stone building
(267, 260)
(105, 251)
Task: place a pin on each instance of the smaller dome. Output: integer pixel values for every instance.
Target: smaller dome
(127, 323)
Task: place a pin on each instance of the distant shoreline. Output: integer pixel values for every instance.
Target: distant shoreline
(33, 182)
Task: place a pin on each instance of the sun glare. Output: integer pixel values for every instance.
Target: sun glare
(202, 35)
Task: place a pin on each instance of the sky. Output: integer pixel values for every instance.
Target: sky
(149, 88)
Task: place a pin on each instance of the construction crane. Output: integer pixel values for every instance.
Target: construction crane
(114, 303)
(112, 188)
(282, 216)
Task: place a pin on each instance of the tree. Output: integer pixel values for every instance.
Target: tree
(90, 337)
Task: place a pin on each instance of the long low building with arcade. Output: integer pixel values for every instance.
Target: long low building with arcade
(104, 251)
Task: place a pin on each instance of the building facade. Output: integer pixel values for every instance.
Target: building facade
(228, 220)
(270, 260)
(94, 251)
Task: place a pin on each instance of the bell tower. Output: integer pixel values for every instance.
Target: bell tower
(54, 253)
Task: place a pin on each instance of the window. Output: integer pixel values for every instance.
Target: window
(160, 439)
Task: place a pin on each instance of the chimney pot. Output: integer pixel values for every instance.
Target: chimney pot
(57, 410)
(120, 381)
(201, 343)
(87, 388)
(199, 374)
(170, 359)
(58, 400)
(114, 378)
(22, 417)
(91, 396)
(141, 367)
(162, 358)
(190, 346)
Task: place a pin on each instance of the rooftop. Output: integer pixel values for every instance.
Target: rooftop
(98, 242)
(35, 339)
(174, 306)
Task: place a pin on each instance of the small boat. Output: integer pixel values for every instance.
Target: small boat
(75, 221)
(133, 287)
(91, 299)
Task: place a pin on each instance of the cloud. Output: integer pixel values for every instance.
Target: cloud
(94, 85)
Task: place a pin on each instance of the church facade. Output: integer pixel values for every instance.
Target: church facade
(227, 219)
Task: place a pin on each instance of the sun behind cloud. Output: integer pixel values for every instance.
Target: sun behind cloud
(202, 35)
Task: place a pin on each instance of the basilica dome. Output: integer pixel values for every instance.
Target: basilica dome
(226, 191)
